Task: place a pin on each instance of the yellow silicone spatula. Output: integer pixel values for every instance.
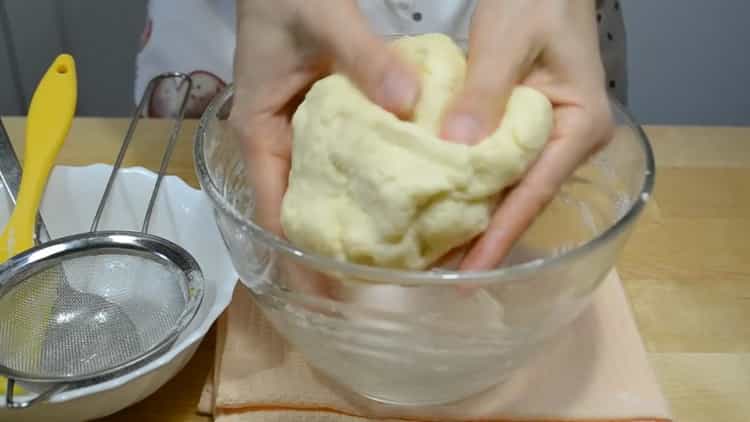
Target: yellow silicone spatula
(47, 125)
(50, 115)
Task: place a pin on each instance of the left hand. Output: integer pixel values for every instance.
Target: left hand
(551, 46)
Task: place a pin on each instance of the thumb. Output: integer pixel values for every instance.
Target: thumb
(498, 56)
(368, 61)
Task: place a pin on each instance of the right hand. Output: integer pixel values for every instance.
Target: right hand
(284, 46)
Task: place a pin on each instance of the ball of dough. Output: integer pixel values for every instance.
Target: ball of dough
(369, 188)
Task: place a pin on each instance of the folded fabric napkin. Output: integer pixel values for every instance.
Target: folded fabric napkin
(595, 370)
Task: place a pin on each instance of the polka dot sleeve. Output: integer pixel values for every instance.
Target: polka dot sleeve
(612, 43)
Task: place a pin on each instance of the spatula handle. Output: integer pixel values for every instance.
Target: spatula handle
(49, 119)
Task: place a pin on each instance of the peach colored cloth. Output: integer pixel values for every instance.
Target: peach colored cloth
(607, 377)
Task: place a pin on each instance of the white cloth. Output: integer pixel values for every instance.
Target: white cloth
(198, 37)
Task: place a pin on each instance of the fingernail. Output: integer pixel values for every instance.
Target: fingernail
(399, 91)
(463, 129)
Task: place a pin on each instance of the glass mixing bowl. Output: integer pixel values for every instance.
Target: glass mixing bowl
(415, 337)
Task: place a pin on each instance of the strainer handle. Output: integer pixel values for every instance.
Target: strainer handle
(10, 403)
(137, 114)
(170, 146)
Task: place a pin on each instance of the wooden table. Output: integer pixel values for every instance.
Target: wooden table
(686, 267)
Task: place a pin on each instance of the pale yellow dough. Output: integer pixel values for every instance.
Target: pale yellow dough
(368, 188)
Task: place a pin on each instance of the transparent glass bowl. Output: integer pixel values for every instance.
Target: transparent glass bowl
(416, 338)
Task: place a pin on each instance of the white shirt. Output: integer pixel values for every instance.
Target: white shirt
(198, 37)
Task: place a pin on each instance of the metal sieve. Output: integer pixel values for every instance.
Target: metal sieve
(90, 305)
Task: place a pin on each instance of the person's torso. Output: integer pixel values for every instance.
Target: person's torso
(198, 37)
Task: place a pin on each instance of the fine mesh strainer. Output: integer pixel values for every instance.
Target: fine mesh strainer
(87, 306)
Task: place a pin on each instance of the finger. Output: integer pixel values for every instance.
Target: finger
(365, 58)
(269, 179)
(303, 279)
(266, 143)
(526, 201)
(451, 260)
(499, 54)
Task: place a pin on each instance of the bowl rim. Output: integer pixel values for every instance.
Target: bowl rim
(412, 277)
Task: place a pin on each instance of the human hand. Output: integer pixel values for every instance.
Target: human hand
(282, 48)
(551, 46)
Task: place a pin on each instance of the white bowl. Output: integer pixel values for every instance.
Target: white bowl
(183, 215)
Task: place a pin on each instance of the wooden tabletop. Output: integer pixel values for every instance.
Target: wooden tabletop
(686, 268)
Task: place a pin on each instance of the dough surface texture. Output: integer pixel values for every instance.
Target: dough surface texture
(369, 188)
